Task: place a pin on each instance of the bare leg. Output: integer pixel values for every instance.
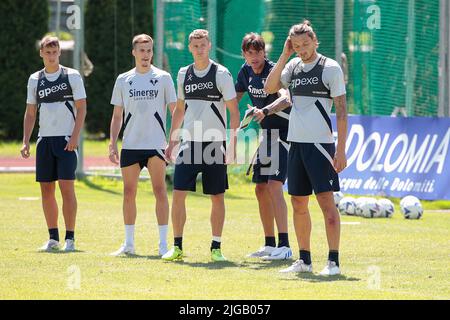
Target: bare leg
(266, 208)
(332, 219)
(178, 212)
(130, 177)
(69, 207)
(302, 222)
(49, 204)
(279, 205)
(157, 170)
(217, 214)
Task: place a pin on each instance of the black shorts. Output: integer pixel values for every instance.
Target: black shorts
(129, 157)
(207, 158)
(52, 161)
(310, 167)
(271, 159)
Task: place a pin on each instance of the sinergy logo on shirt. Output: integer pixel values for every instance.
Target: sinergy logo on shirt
(47, 91)
(143, 94)
(256, 91)
(198, 86)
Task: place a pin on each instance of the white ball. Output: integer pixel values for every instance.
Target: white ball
(370, 208)
(347, 206)
(337, 197)
(359, 202)
(409, 199)
(386, 208)
(411, 207)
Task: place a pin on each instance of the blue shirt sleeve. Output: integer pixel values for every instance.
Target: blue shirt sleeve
(240, 85)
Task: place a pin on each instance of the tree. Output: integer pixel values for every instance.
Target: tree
(19, 58)
(110, 27)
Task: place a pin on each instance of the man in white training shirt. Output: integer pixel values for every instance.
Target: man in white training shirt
(205, 91)
(58, 94)
(143, 94)
(314, 162)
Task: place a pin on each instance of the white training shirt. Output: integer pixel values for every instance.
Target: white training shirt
(306, 123)
(200, 111)
(144, 98)
(55, 119)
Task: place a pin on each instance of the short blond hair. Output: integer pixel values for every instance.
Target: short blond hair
(141, 38)
(199, 34)
(49, 41)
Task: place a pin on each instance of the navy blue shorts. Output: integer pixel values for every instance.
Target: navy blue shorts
(207, 158)
(129, 157)
(310, 168)
(52, 161)
(272, 159)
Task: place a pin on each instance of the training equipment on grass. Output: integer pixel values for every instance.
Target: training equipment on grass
(370, 208)
(347, 206)
(411, 207)
(386, 208)
(359, 202)
(337, 197)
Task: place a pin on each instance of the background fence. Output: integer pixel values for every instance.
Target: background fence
(392, 47)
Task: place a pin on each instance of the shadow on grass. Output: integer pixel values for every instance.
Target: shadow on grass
(137, 256)
(206, 265)
(212, 265)
(260, 265)
(314, 278)
(97, 187)
(62, 252)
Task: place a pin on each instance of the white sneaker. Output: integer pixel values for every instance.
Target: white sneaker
(123, 250)
(298, 266)
(331, 269)
(163, 249)
(281, 253)
(263, 251)
(50, 246)
(69, 245)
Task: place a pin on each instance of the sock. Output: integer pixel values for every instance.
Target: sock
(70, 235)
(283, 240)
(333, 255)
(54, 234)
(178, 241)
(215, 244)
(129, 235)
(163, 234)
(305, 256)
(270, 242)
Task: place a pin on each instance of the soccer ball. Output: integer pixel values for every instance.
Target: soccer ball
(411, 207)
(359, 202)
(337, 197)
(386, 208)
(370, 208)
(409, 199)
(347, 206)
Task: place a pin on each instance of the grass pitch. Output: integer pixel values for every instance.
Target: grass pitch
(380, 258)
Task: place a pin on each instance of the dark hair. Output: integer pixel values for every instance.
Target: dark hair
(253, 41)
(302, 28)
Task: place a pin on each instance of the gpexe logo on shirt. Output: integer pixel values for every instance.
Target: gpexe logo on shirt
(47, 91)
(198, 86)
(305, 82)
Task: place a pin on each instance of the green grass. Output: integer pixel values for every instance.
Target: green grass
(412, 257)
